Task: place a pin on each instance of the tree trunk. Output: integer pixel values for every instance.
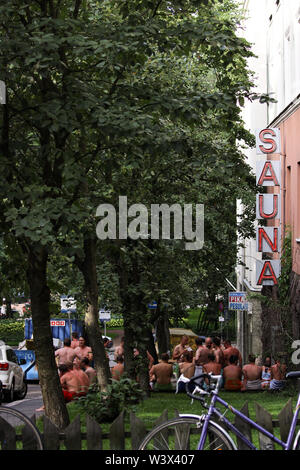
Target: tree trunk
(134, 315)
(92, 326)
(130, 339)
(151, 346)
(163, 334)
(55, 407)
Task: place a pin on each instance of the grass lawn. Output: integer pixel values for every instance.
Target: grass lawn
(151, 409)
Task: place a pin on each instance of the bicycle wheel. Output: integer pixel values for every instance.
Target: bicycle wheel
(184, 434)
(17, 431)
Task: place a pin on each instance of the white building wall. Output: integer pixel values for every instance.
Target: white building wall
(273, 28)
(283, 46)
(255, 115)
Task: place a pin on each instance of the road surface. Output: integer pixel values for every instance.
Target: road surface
(30, 403)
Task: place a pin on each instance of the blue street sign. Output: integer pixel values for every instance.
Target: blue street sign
(153, 305)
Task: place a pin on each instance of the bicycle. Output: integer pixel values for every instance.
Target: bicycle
(16, 427)
(200, 432)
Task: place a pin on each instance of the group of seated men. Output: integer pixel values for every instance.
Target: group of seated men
(75, 372)
(215, 358)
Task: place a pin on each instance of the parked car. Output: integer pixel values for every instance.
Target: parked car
(12, 376)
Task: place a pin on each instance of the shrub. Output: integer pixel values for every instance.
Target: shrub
(11, 331)
(106, 406)
(115, 323)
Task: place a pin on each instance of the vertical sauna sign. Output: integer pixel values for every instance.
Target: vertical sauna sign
(268, 207)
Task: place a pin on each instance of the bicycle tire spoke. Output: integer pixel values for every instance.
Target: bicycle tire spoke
(183, 434)
(158, 447)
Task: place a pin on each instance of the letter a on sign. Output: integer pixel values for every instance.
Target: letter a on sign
(267, 272)
(268, 173)
(267, 141)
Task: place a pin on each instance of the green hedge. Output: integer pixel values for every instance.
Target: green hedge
(115, 323)
(11, 331)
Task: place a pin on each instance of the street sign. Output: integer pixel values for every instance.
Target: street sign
(67, 304)
(237, 301)
(57, 323)
(153, 305)
(104, 315)
(221, 319)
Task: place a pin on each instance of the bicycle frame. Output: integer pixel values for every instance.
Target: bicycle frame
(214, 411)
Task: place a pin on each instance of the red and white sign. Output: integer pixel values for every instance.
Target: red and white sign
(268, 173)
(268, 238)
(268, 141)
(57, 323)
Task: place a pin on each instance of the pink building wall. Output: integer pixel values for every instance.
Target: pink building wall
(290, 141)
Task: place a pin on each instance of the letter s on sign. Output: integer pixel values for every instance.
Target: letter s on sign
(268, 140)
(296, 354)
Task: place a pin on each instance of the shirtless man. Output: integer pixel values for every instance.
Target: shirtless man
(202, 357)
(232, 374)
(84, 381)
(118, 370)
(150, 358)
(180, 348)
(82, 351)
(162, 372)
(70, 383)
(218, 351)
(231, 351)
(252, 375)
(90, 371)
(199, 344)
(187, 371)
(186, 367)
(75, 340)
(119, 351)
(278, 372)
(65, 354)
(212, 367)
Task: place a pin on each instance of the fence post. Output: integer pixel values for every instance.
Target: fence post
(117, 433)
(137, 431)
(285, 419)
(73, 435)
(50, 435)
(243, 427)
(264, 419)
(7, 435)
(93, 434)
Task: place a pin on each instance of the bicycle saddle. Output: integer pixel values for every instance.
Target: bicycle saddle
(293, 375)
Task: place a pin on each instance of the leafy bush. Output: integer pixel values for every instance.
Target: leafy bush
(11, 331)
(115, 323)
(121, 395)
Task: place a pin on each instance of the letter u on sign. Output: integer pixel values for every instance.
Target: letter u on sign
(267, 206)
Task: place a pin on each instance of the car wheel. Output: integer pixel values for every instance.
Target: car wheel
(20, 394)
(10, 394)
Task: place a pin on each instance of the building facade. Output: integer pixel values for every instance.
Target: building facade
(273, 29)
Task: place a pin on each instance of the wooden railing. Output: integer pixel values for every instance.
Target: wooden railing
(118, 438)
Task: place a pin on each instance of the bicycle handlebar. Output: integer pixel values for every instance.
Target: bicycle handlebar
(201, 376)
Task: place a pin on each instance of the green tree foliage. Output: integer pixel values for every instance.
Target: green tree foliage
(114, 98)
